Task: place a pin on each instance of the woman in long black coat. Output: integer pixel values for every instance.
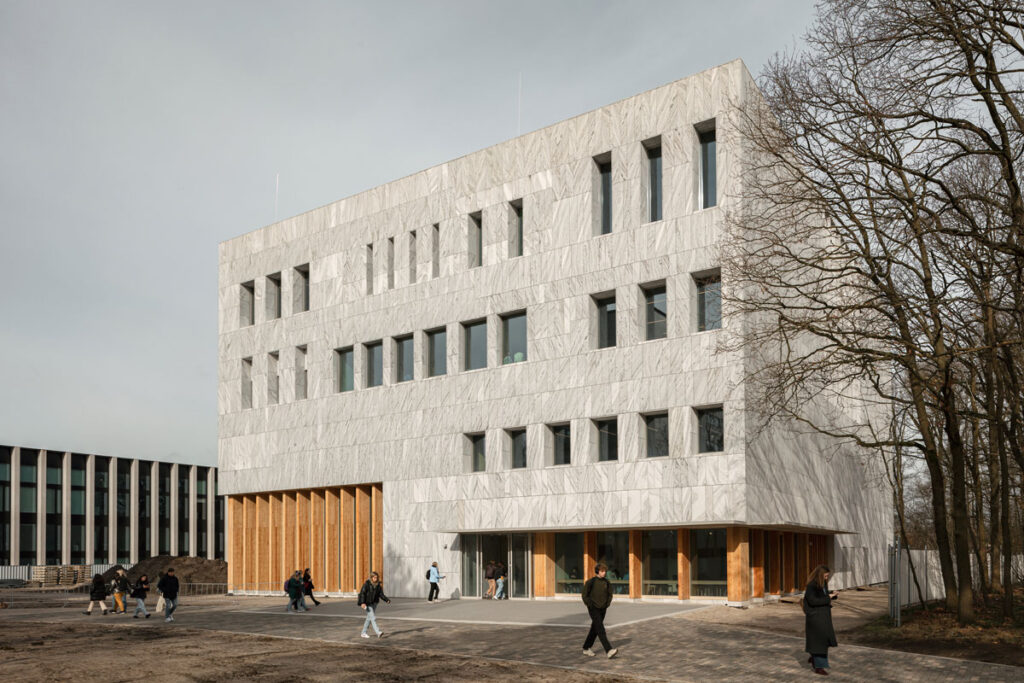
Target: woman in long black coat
(818, 610)
(97, 594)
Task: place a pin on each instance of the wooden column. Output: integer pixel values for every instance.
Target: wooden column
(757, 562)
(635, 564)
(249, 505)
(236, 543)
(800, 543)
(738, 563)
(543, 564)
(362, 533)
(316, 540)
(788, 569)
(332, 547)
(290, 559)
(277, 575)
(347, 541)
(589, 554)
(775, 562)
(302, 529)
(377, 529)
(683, 559)
(262, 548)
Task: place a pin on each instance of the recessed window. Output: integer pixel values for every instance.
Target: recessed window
(709, 303)
(300, 291)
(476, 239)
(390, 258)
(660, 562)
(247, 304)
(412, 257)
(437, 352)
(435, 251)
(301, 374)
(374, 364)
(513, 335)
(475, 350)
(655, 312)
(369, 269)
(708, 174)
(603, 165)
(517, 444)
(605, 307)
(561, 444)
(345, 364)
(515, 241)
(273, 379)
(403, 359)
(477, 452)
(607, 439)
(273, 296)
(654, 195)
(708, 563)
(247, 383)
(710, 430)
(656, 434)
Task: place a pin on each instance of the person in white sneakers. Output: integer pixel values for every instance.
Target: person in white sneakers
(597, 596)
(168, 587)
(434, 577)
(370, 596)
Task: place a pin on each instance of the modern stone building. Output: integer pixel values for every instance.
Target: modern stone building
(515, 356)
(61, 508)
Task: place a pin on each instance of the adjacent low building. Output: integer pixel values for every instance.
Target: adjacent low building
(516, 356)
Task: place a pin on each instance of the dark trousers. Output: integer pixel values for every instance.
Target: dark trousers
(434, 590)
(597, 629)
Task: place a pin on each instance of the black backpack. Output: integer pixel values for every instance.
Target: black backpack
(428, 575)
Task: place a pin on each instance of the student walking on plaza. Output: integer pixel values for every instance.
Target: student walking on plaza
(307, 587)
(294, 588)
(168, 587)
(597, 596)
(121, 587)
(97, 594)
(370, 595)
(139, 593)
(817, 604)
(490, 574)
(434, 577)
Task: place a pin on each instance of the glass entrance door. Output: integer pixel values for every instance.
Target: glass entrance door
(519, 566)
(511, 550)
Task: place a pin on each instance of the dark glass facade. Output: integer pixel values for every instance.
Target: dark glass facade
(78, 527)
(164, 508)
(183, 510)
(144, 533)
(202, 511)
(54, 507)
(708, 573)
(101, 510)
(6, 455)
(124, 510)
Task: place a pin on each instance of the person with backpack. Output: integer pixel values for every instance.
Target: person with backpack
(168, 587)
(97, 594)
(121, 588)
(820, 634)
(139, 593)
(434, 577)
(597, 596)
(307, 587)
(370, 595)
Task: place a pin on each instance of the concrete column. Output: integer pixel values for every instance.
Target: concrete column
(16, 505)
(154, 509)
(65, 507)
(211, 513)
(112, 510)
(174, 509)
(41, 507)
(193, 498)
(133, 512)
(90, 508)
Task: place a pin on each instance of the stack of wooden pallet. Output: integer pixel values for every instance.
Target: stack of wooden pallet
(45, 575)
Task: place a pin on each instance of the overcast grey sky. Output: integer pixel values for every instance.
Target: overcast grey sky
(136, 136)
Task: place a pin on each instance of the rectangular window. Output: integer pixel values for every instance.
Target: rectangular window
(437, 352)
(273, 296)
(561, 444)
(708, 563)
(247, 304)
(476, 240)
(709, 303)
(569, 563)
(607, 439)
(517, 442)
(708, 176)
(660, 563)
(435, 251)
(374, 364)
(710, 430)
(369, 269)
(412, 257)
(300, 291)
(656, 434)
(475, 352)
(515, 241)
(403, 359)
(654, 181)
(477, 452)
(273, 380)
(603, 164)
(605, 321)
(246, 383)
(390, 258)
(513, 335)
(655, 312)
(301, 374)
(613, 550)
(345, 379)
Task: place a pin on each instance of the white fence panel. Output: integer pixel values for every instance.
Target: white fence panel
(17, 571)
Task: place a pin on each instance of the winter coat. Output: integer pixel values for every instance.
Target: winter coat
(294, 588)
(491, 572)
(98, 591)
(121, 584)
(169, 587)
(818, 608)
(435, 576)
(597, 593)
(140, 589)
(371, 594)
(307, 585)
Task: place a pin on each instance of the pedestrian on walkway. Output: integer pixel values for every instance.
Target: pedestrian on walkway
(817, 603)
(370, 595)
(168, 587)
(499, 594)
(597, 596)
(434, 577)
(489, 574)
(139, 593)
(97, 594)
(121, 588)
(307, 587)
(294, 587)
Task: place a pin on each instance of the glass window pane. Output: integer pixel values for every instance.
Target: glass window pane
(518, 438)
(707, 563)
(657, 435)
(606, 323)
(517, 229)
(562, 444)
(613, 550)
(569, 563)
(657, 312)
(711, 430)
(28, 499)
(660, 563)
(476, 345)
(607, 440)
(709, 304)
(438, 357)
(470, 566)
(708, 177)
(605, 170)
(514, 338)
(404, 355)
(478, 445)
(346, 369)
(654, 167)
(374, 364)
(476, 240)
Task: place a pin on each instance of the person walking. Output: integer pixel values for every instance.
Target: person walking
(499, 594)
(489, 574)
(434, 577)
(168, 587)
(307, 587)
(597, 596)
(97, 594)
(294, 589)
(370, 595)
(817, 603)
(139, 593)
(121, 588)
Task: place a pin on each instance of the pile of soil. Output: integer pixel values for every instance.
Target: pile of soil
(187, 569)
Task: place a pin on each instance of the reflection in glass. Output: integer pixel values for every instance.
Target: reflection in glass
(707, 563)
(569, 563)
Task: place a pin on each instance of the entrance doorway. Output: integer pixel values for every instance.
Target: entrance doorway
(511, 549)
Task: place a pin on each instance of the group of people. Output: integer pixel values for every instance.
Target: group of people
(120, 589)
(496, 575)
(298, 587)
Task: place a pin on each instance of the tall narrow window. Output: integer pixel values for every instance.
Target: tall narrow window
(273, 379)
(708, 175)
(513, 334)
(515, 241)
(710, 430)
(301, 374)
(6, 484)
(374, 364)
(437, 352)
(607, 439)
(390, 258)
(475, 351)
(412, 257)
(709, 303)
(435, 251)
(561, 444)
(476, 239)
(345, 378)
(605, 321)
(55, 509)
(604, 189)
(247, 304)
(655, 312)
(477, 452)
(517, 442)
(656, 432)
(28, 502)
(369, 269)
(246, 383)
(403, 359)
(273, 296)
(654, 181)
(300, 291)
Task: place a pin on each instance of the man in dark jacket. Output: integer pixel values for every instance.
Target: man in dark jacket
(370, 596)
(597, 596)
(168, 587)
(489, 575)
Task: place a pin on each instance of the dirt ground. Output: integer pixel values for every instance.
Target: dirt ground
(33, 651)
(187, 569)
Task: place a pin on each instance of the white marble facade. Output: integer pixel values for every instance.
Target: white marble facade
(410, 435)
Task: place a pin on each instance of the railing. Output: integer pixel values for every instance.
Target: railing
(78, 596)
(15, 572)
